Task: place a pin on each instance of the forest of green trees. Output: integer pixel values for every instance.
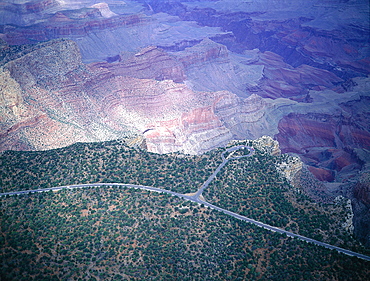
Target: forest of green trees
(104, 162)
(118, 233)
(254, 188)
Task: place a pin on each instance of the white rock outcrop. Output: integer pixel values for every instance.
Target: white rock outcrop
(348, 216)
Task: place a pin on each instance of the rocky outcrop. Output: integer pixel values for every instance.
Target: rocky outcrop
(58, 101)
(104, 10)
(194, 132)
(149, 63)
(268, 145)
(205, 51)
(133, 95)
(345, 203)
(10, 97)
(44, 99)
(241, 116)
(63, 26)
(311, 33)
(35, 7)
(218, 69)
(322, 174)
(304, 46)
(101, 30)
(25, 13)
(290, 167)
(210, 65)
(283, 80)
(326, 141)
(361, 210)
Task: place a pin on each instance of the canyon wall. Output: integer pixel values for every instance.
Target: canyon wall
(59, 99)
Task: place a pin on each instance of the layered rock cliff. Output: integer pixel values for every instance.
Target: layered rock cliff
(102, 30)
(327, 141)
(59, 99)
(150, 62)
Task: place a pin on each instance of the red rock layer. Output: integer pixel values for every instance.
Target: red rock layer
(322, 174)
(30, 7)
(283, 80)
(40, 6)
(204, 51)
(57, 101)
(324, 141)
(150, 63)
(61, 25)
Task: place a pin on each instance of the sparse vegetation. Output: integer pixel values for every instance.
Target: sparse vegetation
(254, 188)
(104, 162)
(116, 233)
(12, 52)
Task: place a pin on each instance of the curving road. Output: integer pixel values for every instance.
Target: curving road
(196, 198)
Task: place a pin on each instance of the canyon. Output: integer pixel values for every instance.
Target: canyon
(190, 76)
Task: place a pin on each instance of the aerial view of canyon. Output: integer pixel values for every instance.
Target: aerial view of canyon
(184, 140)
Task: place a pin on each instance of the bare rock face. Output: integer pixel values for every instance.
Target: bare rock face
(104, 10)
(109, 100)
(194, 132)
(46, 106)
(209, 65)
(346, 203)
(101, 30)
(171, 116)
(150, 63)
(64, 25)
(291, 167)
(268, 145)
(58, 101)
(10, 97)
(24, 12)
(325, 141)
(203, 52)
(322, 174)
(242, 116)
(283, 80)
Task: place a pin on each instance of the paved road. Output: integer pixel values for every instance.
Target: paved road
(57, 188)
(195, 198)
(224, 162)
(282, 231)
